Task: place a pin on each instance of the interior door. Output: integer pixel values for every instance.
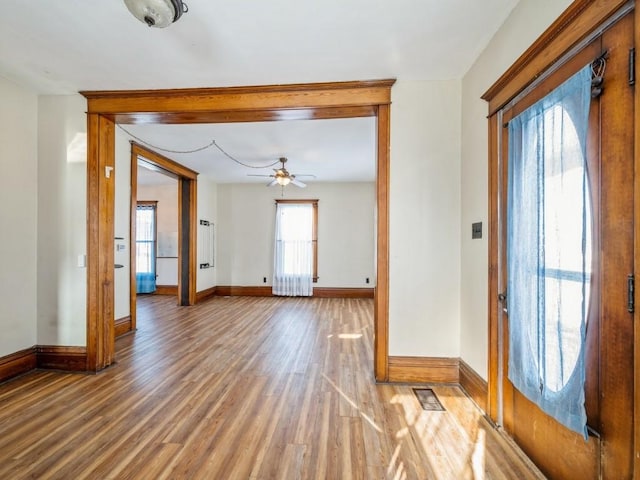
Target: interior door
(558, 451)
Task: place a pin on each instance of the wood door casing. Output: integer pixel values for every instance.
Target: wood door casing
(617, 218)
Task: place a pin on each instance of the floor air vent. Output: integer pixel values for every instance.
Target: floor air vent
(428, 399)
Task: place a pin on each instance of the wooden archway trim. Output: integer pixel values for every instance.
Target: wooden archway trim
(159, 162)
(217, 105)
(187, 218)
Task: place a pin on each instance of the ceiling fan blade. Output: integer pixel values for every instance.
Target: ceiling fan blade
(255, 175)
(298, 183)
(272, 183)
(305, 175)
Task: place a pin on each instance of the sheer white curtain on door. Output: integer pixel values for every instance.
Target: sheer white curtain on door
(293, 255)
(549, 250)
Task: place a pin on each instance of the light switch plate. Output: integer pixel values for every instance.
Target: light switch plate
(476, 230)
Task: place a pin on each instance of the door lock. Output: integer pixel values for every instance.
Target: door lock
(502, 297)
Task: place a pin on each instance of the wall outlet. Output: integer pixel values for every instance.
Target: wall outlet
(367, 280)
(264, 279)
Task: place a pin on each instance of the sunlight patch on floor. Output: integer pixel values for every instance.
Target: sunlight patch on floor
(352, 403)
(350, 336)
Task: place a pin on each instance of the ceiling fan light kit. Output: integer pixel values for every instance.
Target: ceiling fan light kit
(283, 178)
(157, 13)
(284, 181)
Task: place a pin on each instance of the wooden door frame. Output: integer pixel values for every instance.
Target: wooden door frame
(221, 105)
(580, 20)
(187, 220)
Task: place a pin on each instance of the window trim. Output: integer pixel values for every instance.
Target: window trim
(314, 233)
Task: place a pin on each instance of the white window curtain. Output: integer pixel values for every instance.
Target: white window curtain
(293, 255)
(549, 251)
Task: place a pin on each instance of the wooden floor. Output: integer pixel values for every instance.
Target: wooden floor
(244, 388)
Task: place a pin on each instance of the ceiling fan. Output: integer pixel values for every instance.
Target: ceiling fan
(283, 178)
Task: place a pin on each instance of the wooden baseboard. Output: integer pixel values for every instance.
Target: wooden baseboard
(474, 385)
(424, 370)
(166, 290)
(57, 357)
(122, 325)
(324, 292)
(204, 294)
(17, 363)
(318, 292)
(52, 357)
(225, 291)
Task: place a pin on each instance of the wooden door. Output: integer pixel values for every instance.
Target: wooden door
(559, 452)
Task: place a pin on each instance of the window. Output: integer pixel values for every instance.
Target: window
(549, 250)
(146, 247)
(296, 247)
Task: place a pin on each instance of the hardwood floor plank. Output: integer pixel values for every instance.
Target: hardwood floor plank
(244, 388)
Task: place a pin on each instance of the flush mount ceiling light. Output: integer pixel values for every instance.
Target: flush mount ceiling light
(157, 13)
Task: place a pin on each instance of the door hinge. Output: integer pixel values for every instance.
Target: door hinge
(630, 293)
(632, 66)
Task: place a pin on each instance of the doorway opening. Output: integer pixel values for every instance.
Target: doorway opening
(183, 247)
(221, 105)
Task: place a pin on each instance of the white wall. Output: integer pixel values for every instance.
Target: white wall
(245, 231)
(62, 226)
(424, 265)
(167, 224)
(207, 210)
(525, 24)
(18, 217)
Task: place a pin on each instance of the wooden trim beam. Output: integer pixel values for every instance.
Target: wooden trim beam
(133, 169)
(381, 303)
(187, 241)
(100, 238)
(161, 163)
(260, 99)
(238, 116)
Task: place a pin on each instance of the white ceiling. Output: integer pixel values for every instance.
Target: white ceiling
(332, 150)
(65, 46)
